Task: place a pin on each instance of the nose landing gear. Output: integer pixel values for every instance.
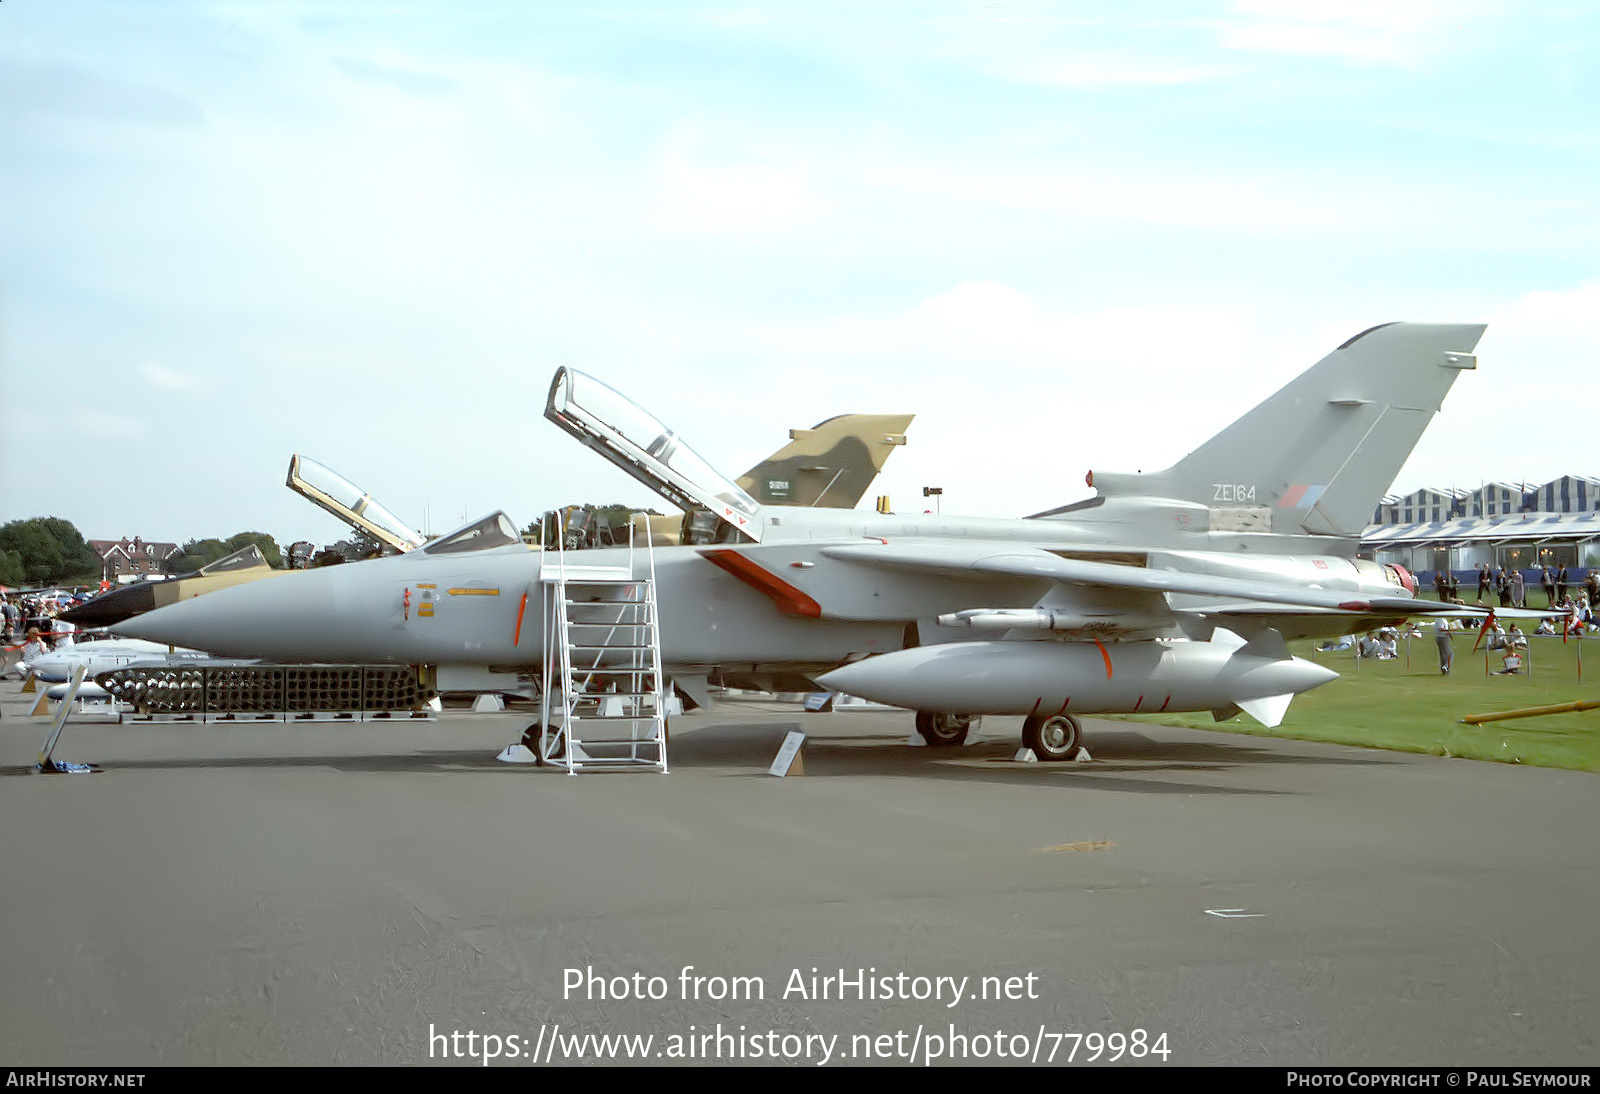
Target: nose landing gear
(943, 730)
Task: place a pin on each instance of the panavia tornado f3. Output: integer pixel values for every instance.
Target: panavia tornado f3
(1167, 591)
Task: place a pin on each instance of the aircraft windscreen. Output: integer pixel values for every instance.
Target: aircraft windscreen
(345, 499)
(494, 530)
(246, 558)
(575, 391)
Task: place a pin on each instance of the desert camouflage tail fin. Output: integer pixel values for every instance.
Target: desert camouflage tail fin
(1318, 456)
(830, 465)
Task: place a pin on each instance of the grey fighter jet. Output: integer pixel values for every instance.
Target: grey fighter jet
(1167, 591)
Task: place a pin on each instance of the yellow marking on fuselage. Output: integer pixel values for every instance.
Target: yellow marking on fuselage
(473, 592)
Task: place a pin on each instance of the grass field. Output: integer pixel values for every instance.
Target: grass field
(1412, 708)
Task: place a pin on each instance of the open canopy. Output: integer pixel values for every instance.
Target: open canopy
(637, 442)
(351, 504)
(494, 530)
(245, 558)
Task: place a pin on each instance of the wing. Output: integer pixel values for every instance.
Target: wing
(1105, 597)
(957, 560)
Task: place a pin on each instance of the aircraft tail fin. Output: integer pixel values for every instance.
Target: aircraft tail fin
(830, 465)
(1318, 456)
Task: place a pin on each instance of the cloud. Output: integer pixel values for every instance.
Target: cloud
(1016, 396)
(61, 89)
(103, 426)
(1509, 419)
(1394, 32)
(1560, 318)
(408, 80)
(728, 198)
(1090, 72)
(163, 378)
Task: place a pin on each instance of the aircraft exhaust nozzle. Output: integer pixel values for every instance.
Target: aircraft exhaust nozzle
(1009, 677)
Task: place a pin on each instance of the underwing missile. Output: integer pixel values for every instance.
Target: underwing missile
(1032, 678)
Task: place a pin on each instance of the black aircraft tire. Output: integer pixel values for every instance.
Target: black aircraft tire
(1052, 738)
(943, 730)
(534, 739)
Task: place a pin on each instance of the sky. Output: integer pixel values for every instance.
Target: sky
(1064, 235)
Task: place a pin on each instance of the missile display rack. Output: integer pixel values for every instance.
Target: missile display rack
(603, 706)
(270, 692)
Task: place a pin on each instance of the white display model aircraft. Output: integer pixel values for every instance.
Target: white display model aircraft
(104, 655)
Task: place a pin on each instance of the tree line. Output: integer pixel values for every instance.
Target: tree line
(44, 551)
(51, 551)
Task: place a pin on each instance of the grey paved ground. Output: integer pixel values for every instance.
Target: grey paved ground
(331, 893)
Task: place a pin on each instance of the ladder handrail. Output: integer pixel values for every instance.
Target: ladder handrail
(653, 614)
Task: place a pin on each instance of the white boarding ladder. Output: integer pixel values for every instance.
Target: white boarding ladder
(603, 704)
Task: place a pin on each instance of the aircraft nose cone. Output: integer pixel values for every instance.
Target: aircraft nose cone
(113, 607)
(839, 679)
(271, 618)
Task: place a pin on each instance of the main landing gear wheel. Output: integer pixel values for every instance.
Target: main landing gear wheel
(943, 730)
(1056, 737)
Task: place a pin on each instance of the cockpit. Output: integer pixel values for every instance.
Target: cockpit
(246, 558)
(641, 445)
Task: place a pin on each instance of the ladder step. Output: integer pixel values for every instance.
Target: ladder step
(611, 720)
(581, 624)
